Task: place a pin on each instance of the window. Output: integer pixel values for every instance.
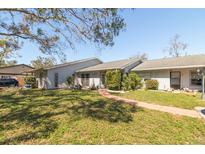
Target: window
(175, 79)
(5, 77)
(196, 79)
(56, 80)
(85, 79)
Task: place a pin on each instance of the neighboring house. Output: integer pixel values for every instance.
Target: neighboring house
(177, 73)
(17, 72)
(95, 75)
(56, 76)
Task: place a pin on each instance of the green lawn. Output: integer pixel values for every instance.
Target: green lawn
(84, 117)
(165, 98)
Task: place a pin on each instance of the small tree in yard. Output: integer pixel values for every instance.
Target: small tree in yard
(113, 79)
(176, 47)
(152, 84)
(131, 82)
(70, 81)
(31, 81)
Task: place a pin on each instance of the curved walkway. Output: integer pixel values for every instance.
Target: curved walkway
(173, 110)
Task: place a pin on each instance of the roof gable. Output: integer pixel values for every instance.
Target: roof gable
(119, 64)
(15, 69)
(72, 63)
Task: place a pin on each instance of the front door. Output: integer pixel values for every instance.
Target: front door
(175, 79)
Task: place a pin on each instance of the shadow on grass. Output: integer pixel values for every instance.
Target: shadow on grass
(102, 110)
(40, 115)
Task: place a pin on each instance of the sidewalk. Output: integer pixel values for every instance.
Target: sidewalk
(173, 110)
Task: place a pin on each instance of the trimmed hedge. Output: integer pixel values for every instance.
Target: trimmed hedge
(70, 80)
(113, 79)
(152, 84)
(131, 82)
(31, 81)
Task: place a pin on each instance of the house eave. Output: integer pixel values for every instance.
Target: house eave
(99, 70)
(166, 68)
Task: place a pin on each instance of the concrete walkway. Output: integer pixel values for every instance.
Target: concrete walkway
(173, 110)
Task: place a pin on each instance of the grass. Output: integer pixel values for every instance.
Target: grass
(84, 117)
(165, 98)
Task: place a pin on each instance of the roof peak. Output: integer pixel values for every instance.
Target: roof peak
(72, 62)
(15, 66)
(117, 64)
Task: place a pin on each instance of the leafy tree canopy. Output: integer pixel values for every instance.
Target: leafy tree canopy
(7, 62)
(176, 47)
(131, 81)
(142, 56)
(54, 29)
(42, 62)
(113, 79)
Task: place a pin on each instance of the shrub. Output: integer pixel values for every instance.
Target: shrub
(131, 82)
(152, 84)
(113, 79)
(70, 81)
(31, 81)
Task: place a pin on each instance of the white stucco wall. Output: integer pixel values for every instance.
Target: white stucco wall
(94, 78)
(64, 72)
(163, 77)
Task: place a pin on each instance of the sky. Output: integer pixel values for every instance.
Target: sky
(147, 31)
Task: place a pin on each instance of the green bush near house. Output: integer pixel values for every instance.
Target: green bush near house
(70, 81)
(31, 80)
(152, 84)
(113, 79)
(131, 82)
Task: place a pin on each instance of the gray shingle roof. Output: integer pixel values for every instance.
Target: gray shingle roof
(119, 64)
(71, 63)
(15, 69)
(172, 63)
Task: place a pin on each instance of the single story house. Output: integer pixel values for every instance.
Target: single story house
(95, 75)
(55, 76)
(17, 72)
(176, 73)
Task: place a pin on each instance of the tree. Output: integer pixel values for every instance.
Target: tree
(53, 29)
(176, 47)
(152, 84)
(4, 56)
(31, 80)
(42, 62)
(7, 62)
(142, 56)
(131, 81)
(113, 79)
(70, 81)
